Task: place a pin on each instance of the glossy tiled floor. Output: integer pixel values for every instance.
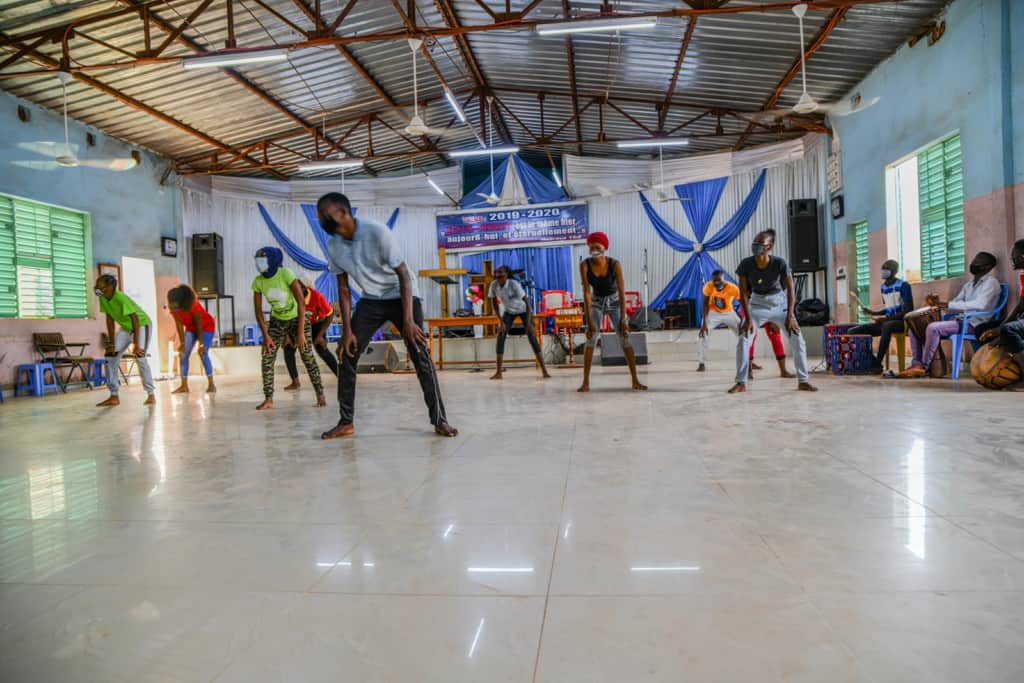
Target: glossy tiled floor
(871, 532)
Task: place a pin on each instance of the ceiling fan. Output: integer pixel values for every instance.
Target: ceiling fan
(492, 198)
(417, 126)
(807, 104)
(64, 155)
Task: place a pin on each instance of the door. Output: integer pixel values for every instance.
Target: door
(138, 281)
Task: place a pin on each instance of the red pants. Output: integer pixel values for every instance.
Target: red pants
(775, 337)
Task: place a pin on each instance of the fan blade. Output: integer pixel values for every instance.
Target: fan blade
(47, 148)
(109, 164)
(36, 165)
(846, 107)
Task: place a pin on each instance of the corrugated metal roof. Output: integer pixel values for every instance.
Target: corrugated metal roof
(734, 61)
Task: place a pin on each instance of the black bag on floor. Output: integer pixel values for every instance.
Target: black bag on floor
(812, 312)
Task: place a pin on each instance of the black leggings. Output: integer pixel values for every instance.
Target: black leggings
(322, 351)
(1011, 336)
(508, 319)
(885, 330)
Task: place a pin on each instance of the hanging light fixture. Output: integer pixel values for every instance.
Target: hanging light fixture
(234, 58)
(654, 142)
(596, 25)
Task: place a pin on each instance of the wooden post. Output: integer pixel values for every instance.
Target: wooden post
(443, 264)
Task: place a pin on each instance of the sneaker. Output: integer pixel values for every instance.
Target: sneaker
(700, 368)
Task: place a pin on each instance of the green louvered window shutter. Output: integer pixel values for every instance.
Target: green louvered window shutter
(43, 260)
(8, 270)
(941, 185)
(860, 236)
(67, 229)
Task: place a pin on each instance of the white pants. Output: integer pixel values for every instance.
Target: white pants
(122, 340)
(772, 308)
(713, 320)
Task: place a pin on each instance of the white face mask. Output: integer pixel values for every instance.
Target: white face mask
(596, 252)
(886, 273)
(262, 264)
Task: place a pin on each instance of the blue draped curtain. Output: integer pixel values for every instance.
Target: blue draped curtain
(550, 267)
(326, 283)
(699, 202)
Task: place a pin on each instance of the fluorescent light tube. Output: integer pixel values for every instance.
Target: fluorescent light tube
(483, 151)
(596, 25)
(233, 58)
(455, 105)
(655, 142)
(558, 181)
(439, 191)
(330, 164)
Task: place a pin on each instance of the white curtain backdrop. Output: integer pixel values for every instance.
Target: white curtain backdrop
(228, 206)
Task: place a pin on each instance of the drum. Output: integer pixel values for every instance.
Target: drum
(993, 368)
(918, 321)
(850, 354)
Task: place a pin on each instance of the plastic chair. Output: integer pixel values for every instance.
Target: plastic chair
(98, 372)
(633, 303)
(964, 335)
(251, 335)
(35, 379)
(554, 299)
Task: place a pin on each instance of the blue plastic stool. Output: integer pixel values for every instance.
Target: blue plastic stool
(333, 332)
(98, 372)
(251, 335)
(35, 382)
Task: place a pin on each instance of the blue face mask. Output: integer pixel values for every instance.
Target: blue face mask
(886, 273)
(758, 249)
(262, 264)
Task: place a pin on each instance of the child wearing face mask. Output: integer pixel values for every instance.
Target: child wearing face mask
(897, 300)
(980, 293)
(288, 318)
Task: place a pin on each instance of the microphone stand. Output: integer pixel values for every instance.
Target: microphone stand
(647, 323)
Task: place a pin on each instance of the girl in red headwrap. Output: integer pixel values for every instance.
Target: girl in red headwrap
(602, 283)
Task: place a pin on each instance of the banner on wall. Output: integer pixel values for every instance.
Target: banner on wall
(513, 225)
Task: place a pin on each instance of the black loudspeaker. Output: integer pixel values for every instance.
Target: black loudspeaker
(208, 264)
(804, 235)
(611, 350)
(381, 356)
(683, 313)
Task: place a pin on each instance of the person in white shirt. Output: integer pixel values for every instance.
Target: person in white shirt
(981, 293)
(507, 291)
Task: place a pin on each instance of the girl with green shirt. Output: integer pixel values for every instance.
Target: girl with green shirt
(135, 330)
(288, 318)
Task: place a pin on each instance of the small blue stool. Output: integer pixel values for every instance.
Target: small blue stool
(251, 335)
(98, 372)
(35, 382)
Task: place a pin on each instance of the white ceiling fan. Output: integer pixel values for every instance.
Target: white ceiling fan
(417, 126)
(492, 198)
(64, 155)
(807, 104)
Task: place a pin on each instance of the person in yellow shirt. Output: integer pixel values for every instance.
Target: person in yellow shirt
(719, 295)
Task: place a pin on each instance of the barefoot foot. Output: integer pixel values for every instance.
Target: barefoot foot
(545, 375)
(267, 404)
(109, 403)
(639, 387)
(701, 368)
(806, 386)
(150, 400)
(212, 388)
(183, 389)
(294, 386)
(754, 366)
(445, 429)
(320, 401)
(584, 388)
(341, 429)
(496, 375)
(786, 374)
(738, 389)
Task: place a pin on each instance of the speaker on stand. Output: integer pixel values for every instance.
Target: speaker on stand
(208, 264)
(804, 236)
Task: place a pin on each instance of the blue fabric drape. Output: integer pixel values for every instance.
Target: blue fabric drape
(300, 256)
(539, 189)
(703, 198)
(550, 267)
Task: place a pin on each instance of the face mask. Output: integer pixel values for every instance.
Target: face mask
(758, 249)
(262, 264)
(329, 225)
(886, 274)
(978, 270)
(596, 252)
(719, 286)
(98, 291)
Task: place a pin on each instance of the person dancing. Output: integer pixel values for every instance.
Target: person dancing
(368, 252)
(602, 282)
(193, 324)
(507, 291)
(767, 296)
(321, 315)
(134, 335)
(288, 318)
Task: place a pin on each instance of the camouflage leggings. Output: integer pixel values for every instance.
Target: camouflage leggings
(278, 330)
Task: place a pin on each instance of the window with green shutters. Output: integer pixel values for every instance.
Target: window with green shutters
(941, 183)
(43, 260)
(863, 282)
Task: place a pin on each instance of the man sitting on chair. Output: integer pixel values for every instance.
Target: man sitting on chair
(981, 293)
(897, 301)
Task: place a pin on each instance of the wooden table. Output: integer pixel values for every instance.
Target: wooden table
(539, 320)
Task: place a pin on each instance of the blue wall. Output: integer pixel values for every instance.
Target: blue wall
(130, 210)
(969, 81)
